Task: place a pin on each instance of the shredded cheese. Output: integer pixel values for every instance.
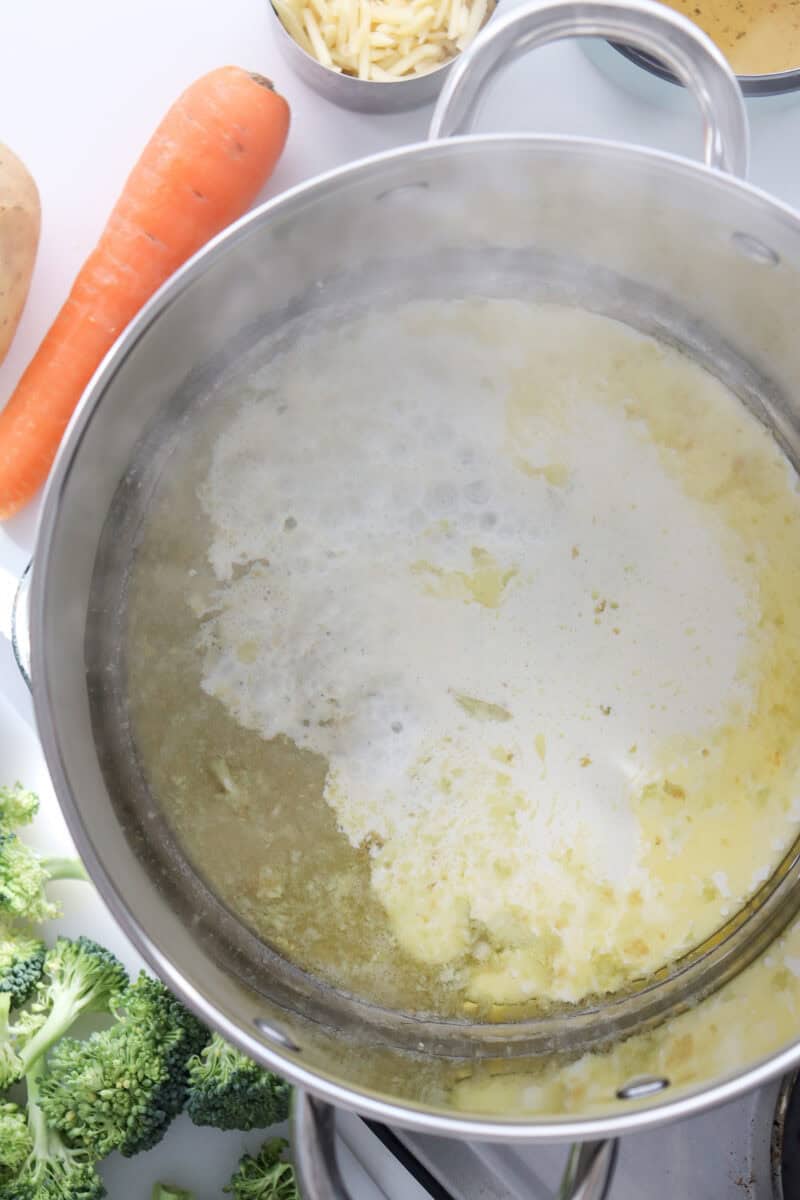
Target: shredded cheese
(382, 40)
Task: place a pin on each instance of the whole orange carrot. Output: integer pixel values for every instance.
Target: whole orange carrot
(202, 168)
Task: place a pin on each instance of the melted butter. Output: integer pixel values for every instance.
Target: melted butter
(485, 584)
(555, 473)
(717, 800)
(754, 1016)
(758, 37)
(721, 797)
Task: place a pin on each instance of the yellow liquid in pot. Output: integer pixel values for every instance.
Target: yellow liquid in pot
(502, 714)
(758, 37)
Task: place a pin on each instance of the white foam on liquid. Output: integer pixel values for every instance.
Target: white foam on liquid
(355, 504)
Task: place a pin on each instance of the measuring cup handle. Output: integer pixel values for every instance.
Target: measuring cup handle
(587, 1177)
(649, 26)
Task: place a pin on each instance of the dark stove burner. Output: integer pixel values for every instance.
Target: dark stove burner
(786, 1141)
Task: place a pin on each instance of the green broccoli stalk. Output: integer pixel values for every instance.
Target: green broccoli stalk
(21, 963)
(79, 976)
(266, 1177)
(17, 807)
(51, 1170)
(23, 875)
(229, 1091)
(120, 1088)
(10, 1063)
(168, 1191)
(16, 1143)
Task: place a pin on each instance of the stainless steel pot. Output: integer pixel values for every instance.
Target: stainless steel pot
(689, 253)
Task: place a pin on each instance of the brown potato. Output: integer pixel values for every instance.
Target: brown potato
(20, 220)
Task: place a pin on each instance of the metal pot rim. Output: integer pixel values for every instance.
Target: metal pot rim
(772, 83)
(689, 1100)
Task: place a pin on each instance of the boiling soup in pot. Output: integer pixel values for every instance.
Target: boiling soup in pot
(465, 654)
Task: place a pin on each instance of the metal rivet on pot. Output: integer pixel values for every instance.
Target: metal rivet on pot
(275, 1035)
(756, 250)
(642, 1085)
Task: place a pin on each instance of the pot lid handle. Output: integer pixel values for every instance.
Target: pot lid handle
(649, 26)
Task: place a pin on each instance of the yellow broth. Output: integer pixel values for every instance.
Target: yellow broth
(758, 37)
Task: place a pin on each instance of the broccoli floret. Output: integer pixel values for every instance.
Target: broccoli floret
(266, 1177)
(229, 1091)
(51, 1170)
(23, 875)
(79, 976)
(17, 807)
(21, 964)
(11, 1067)
(16, 1143)
(120, 1088)
(24, 872)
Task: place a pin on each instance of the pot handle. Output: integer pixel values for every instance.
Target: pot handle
(587, 1177)
(20, 630)
(649, 26)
